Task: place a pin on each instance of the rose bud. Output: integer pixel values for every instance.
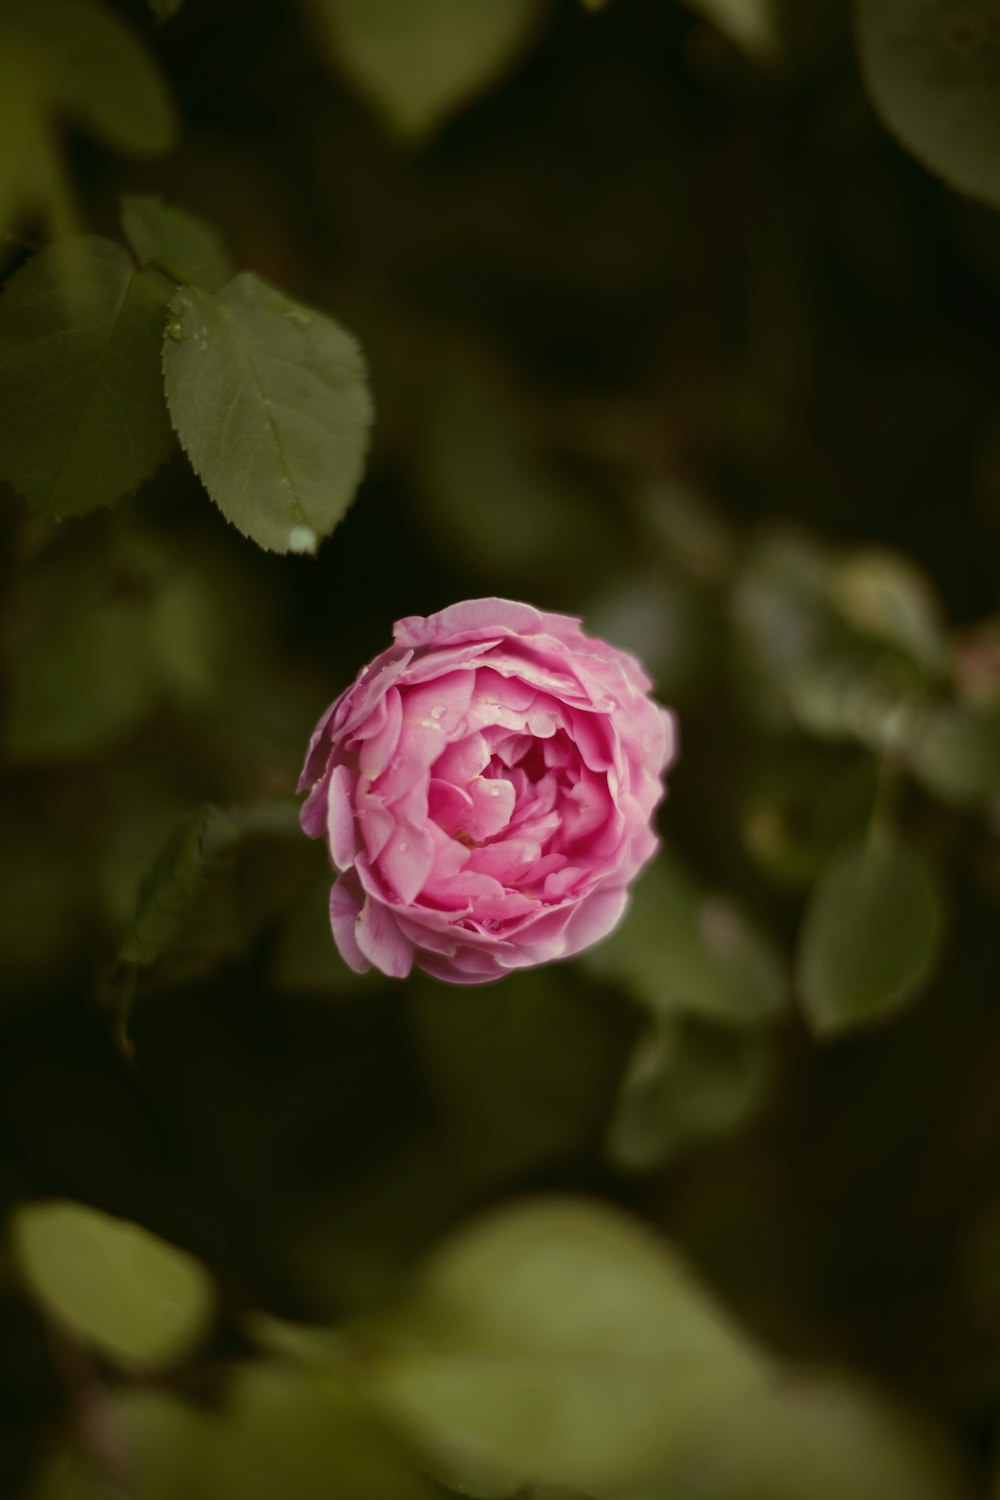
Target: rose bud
(485, 789)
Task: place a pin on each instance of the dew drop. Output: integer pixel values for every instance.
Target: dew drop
(494, 791)
(302, 539)
(174, 330)
(403, 846)
(438, 711)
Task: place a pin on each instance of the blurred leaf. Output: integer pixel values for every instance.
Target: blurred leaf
(188, 636)
(535, 1038)
(32, 180)
(90, 65)
(81, 686)
(281, 1431)
(271, 405)
(111, 1282)
(931, 67)
(418, 61)
(884, 595)
(802, 802)
(819, 1436)
(956, 754)
(871, 933)
(177, 241)
(687, 1081)
(750, 23)
(165, 10)
(299, 1432)
(779, 607)
(555, 1340)
(682, 949)
(849, 689)
(161, 1442)
(178, 883)
(80, 386)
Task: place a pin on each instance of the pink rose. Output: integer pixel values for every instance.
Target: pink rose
(485, 789)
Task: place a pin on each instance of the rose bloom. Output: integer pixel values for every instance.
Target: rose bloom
(485, 789)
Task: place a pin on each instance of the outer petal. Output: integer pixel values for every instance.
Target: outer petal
(341, 826)
(467, 620)
(381, 941)
(345, 907)
(312, 817)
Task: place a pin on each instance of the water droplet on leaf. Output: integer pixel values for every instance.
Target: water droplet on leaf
(302, 539)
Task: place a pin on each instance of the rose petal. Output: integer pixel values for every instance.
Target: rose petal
(463, 760)
(345, 905)
(467, 619)
(341, 827)
(507, 861)
(407, 860)
(492, 805)
(377, 752)
(312, 817)
(450, 806)
(380, 940)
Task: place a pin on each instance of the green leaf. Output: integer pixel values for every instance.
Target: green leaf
(80, 387)
(31, 177)
(90, 65)
(871, 933)
(271, 405)
(419, 61)
(176, 241)
(557, 1342)
(933, 71)
(820, 1436)
(280, 1430)
(178, 884)
(111, 1282)
(683, 949)
(163, 1442)
(851, 689)
(955, 753)
(303, 1433)
(687, 1081)
(884, 595)
(84, 684)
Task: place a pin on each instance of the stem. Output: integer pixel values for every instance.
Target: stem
(884, 808)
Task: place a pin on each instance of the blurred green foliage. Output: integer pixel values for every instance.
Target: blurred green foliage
(663, 322)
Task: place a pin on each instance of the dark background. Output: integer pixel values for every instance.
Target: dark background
(634, 309)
